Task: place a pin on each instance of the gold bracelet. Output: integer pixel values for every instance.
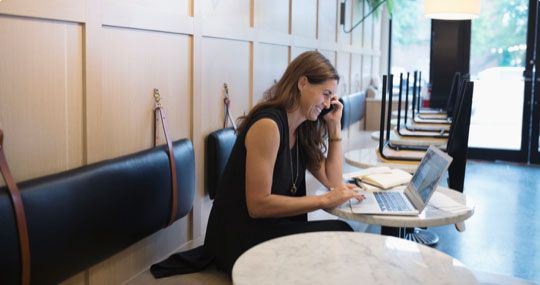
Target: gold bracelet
(334, 139)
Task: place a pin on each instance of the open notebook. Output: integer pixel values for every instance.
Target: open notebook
(382, 177)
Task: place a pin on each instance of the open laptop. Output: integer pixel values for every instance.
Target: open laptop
(414, 198)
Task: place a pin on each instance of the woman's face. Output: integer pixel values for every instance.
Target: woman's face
(315, 97)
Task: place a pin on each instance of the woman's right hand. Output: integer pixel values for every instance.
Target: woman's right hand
(340, 194)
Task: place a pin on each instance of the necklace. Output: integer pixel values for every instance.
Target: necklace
(293, 178)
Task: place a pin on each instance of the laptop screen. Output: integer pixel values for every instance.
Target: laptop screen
(429, 172)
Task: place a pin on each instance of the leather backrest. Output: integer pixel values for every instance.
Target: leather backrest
(452, 96)
(80, 217)
(354, 108)
(346, 112)
(218, 146)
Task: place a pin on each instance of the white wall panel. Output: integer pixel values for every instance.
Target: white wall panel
(162, 15)
(368, 29)
(66, 10)
(271, 16)
(366, 71)
(357, 14)
(134, 63)
(269, 63)
(41, 87)
(304, 18)
(327, 20)
(330, 55)
(226, 13)
(343, 65)
(224, 61)
(356, 73)
(377, 32)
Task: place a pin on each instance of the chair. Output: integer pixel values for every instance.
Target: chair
(446, 115)
(458, 141)
(431, 132)
(218, 147)
(457, 124)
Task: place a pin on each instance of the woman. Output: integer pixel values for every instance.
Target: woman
(262, 192)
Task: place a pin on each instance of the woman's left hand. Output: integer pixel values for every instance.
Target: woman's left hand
(334, 117)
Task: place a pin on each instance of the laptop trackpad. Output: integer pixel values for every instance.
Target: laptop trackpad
(368, 205)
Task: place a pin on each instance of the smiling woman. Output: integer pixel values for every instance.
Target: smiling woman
(262, 193)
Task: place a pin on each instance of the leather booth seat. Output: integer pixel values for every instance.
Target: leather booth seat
(80, 217)
(354, 108)
(218, 146)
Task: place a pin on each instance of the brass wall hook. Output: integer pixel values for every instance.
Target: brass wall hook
(226, 88)
(157, 98)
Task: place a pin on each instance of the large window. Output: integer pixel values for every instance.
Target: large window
(498, 46)
(411, 36)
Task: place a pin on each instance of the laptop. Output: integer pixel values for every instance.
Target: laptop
(414, 198)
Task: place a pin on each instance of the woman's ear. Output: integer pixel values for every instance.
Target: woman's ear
(302, 82)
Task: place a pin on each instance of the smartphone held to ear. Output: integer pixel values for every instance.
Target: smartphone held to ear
(326, 111)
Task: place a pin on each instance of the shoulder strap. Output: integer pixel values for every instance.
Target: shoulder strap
(159, 114)
(22, 229)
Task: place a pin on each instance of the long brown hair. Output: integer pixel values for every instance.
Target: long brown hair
(286, 95)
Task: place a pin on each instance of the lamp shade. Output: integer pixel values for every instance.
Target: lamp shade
(452, 9)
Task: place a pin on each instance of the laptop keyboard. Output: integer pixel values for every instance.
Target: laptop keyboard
(391, 202)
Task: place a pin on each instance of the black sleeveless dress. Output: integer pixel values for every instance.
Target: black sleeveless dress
(230, 230)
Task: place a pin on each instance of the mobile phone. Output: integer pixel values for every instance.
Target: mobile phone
(326, 111)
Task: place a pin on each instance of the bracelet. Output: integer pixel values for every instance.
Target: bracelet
(334, 139)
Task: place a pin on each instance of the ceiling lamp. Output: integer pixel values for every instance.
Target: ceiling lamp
(452, 9)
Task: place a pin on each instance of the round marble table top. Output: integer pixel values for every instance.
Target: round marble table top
(347, 258)
(368, 157)
(435, 214)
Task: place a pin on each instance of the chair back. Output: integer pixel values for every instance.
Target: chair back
(218, 146)
(450, 104)
(354, 108)
(458, 139)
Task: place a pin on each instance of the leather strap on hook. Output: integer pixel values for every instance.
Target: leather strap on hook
(159, 114)
(20, 217)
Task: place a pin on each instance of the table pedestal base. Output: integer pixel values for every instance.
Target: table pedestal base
(422, 236)
(418, 235)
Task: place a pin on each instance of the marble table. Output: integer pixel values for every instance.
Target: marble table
(369, 157)
(347, 258)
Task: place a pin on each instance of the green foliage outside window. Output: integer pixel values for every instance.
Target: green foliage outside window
(499, 34)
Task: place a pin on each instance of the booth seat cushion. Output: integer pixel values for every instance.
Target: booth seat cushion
(354, 108)
(219, 145)
(80, 217)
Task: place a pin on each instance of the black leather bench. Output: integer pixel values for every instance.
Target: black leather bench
(80, 217)
(354, 109)
(218, 147)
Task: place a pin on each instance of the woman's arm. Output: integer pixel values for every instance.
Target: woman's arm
(330, 172)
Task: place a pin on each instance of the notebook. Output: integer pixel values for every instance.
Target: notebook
(414, 198)
(383, 177)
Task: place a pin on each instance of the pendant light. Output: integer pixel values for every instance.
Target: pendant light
(452, 9)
